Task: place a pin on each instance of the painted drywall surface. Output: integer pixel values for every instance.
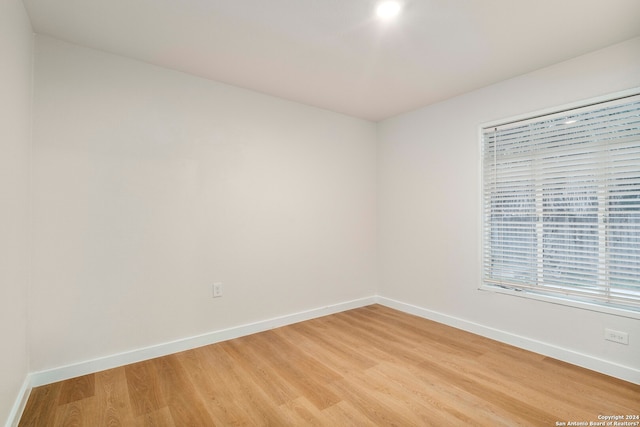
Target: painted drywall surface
(15, 101)
(150, 185)
(429, 205)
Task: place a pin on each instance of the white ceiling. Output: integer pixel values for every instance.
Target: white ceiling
(334, 54)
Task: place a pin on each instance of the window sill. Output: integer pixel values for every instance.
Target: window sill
(616, 311)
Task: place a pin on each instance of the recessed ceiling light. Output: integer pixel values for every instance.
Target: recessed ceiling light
(388, 9)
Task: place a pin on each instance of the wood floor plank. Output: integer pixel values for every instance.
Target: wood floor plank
(159, 418)
(297, 370)
(77, 389)
(344, 414)
(319, 341)
(113, 391)
(310, 364)
(341, 360)
(598, 384)
(78, 413)
(227, 389)
(219, 404)
(41, 406)
(443, 404)
(300, 412)
(183, 400)
(372, 366)
(557, 394)
(69, 415)
(145, 393)
(382, 344)
(371, 403)
(417, 333)
(249, 357)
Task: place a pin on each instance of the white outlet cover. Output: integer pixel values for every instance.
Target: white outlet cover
(616, 336)
(217, 289)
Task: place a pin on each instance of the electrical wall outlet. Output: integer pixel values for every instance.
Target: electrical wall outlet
(616, 336)
(217, 290)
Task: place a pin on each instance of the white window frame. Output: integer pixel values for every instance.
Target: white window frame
(619, 311)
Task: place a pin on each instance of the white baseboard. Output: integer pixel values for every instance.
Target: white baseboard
(116, 360)
(626, 373)
(19, 404)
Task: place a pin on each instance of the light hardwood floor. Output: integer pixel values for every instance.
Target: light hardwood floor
(371, 366)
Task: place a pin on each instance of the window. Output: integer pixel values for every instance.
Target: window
(561, 205)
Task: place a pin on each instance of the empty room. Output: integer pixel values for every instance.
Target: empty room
(318, 212)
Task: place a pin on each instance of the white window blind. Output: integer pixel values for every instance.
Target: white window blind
(561, 201)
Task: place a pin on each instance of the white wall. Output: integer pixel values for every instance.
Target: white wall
(429, 206)
(15, 103)
(150, 184)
